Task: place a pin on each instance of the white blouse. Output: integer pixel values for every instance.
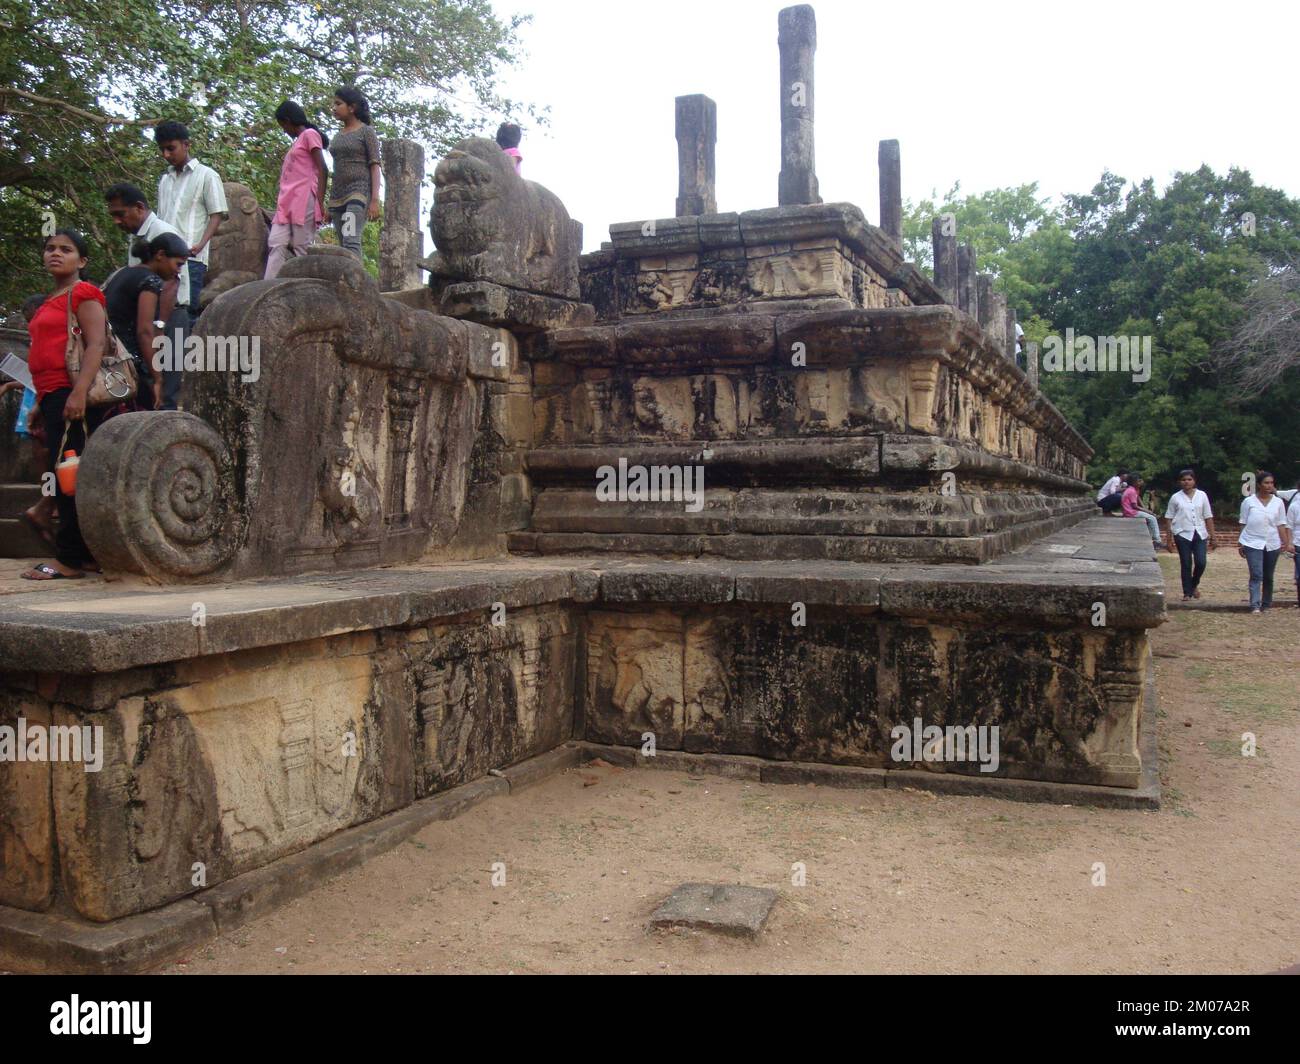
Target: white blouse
(1187, 516)
(1261, 522)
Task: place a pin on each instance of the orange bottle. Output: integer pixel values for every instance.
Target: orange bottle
(66, 471)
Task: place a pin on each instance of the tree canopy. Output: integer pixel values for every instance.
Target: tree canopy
(1205, 268)
(81, 85)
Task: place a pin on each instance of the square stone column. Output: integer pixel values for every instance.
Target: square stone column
(797, 39)
(945, 259)
(697, 136)
(967, 297)
(992, 311)
(401, 241)
(891, 191)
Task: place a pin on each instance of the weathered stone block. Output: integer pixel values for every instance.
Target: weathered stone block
(728, 910)
(489, 224)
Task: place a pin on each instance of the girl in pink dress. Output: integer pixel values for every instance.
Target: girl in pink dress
(300, 207)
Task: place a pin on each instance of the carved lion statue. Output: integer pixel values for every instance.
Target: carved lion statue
(489, 224)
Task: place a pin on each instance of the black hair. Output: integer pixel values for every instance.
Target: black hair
(1262, 475)
(509, 135)
(169, 244)
(290, 111)
(126, 193)
(1187, 473)
(167, 131)
(1123, 472)
(1134, 478)
(78, 242)
(356, 99)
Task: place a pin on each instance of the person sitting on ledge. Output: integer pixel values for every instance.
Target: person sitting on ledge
(1132, 508)
(1111, 494)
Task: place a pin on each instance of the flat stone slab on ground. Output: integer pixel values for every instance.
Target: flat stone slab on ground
(729, 910)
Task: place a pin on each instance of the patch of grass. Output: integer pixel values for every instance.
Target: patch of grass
(1174, 800)
(1229, 748)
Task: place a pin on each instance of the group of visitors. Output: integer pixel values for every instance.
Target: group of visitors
(1270, 527)
(79, 327)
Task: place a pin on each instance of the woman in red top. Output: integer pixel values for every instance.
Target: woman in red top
(58, 398)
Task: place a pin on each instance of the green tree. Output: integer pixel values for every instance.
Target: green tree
(81, 85)
(1176, 266)
(1184, 267)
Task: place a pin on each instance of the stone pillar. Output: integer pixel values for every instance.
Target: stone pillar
(984, 297)
(967, 297)
(891, 191)
(992, 312)
(945, 260)
(1011, 335)
(697, 134)
(401, 242)
(797, 39)
(1031, 363)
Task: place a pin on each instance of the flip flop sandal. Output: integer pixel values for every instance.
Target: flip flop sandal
(50, 573)
(44, 531)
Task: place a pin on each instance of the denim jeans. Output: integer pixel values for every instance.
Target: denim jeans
(349, 233)
(1262, 563)
(1191, 561)
(1153, 525)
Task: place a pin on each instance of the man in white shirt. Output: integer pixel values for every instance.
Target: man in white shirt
(192, 198)
(1113, 486)
(1265, 534)
(130, 211)
(1293, 523)
(1191, 526)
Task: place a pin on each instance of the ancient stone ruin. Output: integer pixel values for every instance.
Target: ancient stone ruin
(741, 490)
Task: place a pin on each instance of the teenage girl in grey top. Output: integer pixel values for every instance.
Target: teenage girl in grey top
(354, 193)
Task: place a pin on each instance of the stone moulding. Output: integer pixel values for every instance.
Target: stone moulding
(226, 744)
(342, 439)
(923, 337)
(769, 227)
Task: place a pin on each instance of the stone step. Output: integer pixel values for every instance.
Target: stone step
(15, 497)
(17, 540)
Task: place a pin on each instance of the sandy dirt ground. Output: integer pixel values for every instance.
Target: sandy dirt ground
(897, 881)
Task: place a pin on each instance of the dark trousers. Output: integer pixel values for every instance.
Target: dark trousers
(198, 270)
(178, 331)
(1191, 560)
(69, 547)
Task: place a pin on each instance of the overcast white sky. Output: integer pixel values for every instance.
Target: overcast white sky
(990, 93)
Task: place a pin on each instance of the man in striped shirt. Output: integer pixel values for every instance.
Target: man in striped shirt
(191, 198)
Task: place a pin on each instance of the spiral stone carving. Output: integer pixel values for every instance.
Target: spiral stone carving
(156, 495)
